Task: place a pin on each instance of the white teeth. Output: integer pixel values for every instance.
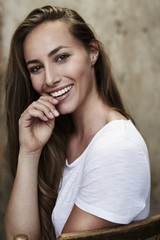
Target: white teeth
(61, 92)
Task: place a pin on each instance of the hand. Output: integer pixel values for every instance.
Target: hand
(37, 123)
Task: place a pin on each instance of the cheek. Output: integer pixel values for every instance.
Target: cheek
(36, 84)
(77, 69)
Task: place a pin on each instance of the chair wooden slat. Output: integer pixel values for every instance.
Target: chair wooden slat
(134, 231)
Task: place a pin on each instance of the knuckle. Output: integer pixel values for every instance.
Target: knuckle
(29, 111)
(33, 103)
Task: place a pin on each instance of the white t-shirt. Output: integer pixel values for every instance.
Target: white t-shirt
(111, 178)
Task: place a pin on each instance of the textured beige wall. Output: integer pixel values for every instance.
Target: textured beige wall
(130, 31)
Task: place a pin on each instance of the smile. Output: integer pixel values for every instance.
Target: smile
(61, 92)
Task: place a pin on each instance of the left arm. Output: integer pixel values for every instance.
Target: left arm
(80, 220)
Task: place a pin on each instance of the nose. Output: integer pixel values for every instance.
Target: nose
(52, 77)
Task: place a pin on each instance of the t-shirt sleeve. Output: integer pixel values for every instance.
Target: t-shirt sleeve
(115, 181)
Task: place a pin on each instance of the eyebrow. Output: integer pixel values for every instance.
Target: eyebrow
(49, 55)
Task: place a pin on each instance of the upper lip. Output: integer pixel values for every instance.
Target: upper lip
(59, 89)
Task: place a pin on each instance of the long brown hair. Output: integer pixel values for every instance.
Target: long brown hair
(20, 93)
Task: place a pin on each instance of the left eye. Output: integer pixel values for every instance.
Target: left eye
(62, 57)
(35, 69)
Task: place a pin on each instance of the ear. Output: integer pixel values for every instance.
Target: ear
(93, 52)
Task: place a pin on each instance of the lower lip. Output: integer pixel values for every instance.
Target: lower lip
(64, 96)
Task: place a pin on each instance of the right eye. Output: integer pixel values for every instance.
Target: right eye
(35, 69)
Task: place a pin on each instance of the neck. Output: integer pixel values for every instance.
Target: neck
(90, 117)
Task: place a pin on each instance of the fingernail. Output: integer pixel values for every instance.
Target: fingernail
(56, 113)
(51, 115)
(45, 118)
(54, 99)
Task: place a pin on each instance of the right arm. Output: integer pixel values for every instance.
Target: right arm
(35, 128)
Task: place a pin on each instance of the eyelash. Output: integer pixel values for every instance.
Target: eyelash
(59, 58)
(62, 57)
(35, 69)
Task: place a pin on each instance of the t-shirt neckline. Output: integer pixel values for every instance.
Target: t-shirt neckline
(92, 140)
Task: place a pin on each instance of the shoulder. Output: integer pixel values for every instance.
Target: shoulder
(118, 141)
(117, 135)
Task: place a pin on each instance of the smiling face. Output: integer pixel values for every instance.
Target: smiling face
(60, 66)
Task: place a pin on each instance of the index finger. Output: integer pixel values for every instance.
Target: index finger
(49, 98)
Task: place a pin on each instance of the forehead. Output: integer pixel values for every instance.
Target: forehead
(47, 34)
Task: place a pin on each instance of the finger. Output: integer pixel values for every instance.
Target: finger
(48, 110)
(50, 99)
(50, 105)
(30, 114)
(34, 113)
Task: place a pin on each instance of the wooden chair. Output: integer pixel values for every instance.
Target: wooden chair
(134, 231)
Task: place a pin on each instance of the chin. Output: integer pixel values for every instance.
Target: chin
(63, 110)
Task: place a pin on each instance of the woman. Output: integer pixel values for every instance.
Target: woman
(79, 162)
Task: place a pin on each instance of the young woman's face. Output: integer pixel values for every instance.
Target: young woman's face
(60, 66)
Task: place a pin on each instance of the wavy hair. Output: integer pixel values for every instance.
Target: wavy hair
(20, 94)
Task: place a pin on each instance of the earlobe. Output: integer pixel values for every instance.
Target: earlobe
(94, 52)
